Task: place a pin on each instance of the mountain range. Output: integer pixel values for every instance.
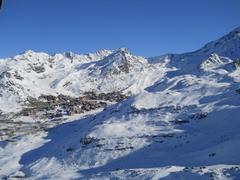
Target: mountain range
(115, 115)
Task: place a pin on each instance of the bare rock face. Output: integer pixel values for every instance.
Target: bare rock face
(238, 91)
(5, 74)
(38, 68)
(8, 75)
(116, 63)
(212, 61)
(69, 55)
(237, 63)
(17, 76)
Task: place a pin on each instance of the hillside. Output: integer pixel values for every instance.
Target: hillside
(112, 114)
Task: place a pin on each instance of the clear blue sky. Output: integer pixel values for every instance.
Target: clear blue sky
(146, 27)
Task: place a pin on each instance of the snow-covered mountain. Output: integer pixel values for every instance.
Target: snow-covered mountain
(116, 115)
(33, 74)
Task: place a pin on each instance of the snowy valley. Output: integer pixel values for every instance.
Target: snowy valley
(115, 115)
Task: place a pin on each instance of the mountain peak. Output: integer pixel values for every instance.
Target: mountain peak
(31, 55)
(236, 30)
(69, 55)
(123, 49)
(235, 34)
(28, 52)
(228, 45)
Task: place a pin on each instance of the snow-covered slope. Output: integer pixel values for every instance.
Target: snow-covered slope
(180, 120)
